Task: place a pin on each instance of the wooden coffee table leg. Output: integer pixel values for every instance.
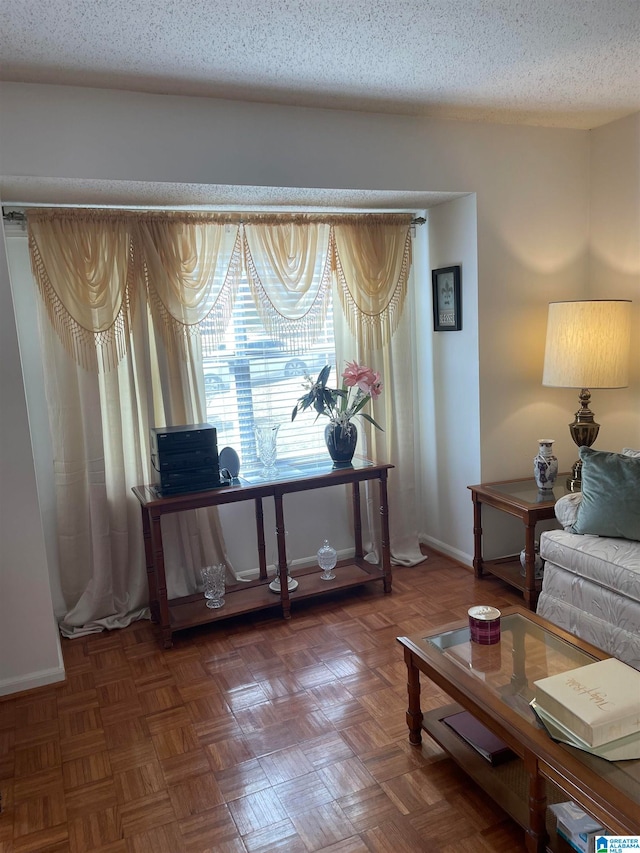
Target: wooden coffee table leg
(536, 834)
(414, 713)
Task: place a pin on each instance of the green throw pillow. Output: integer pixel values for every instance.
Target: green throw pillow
(610, 503)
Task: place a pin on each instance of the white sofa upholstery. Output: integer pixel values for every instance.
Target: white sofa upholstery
(591, 582)
(591, 585)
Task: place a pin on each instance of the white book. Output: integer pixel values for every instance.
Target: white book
(622, 749)
(599, 702)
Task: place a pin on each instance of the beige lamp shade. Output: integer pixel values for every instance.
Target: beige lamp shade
(588, 344)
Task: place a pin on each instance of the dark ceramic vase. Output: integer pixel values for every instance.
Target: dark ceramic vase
(341, 443)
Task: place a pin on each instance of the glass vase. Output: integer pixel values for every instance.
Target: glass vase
(266, 433)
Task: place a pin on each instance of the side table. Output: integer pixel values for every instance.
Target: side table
(522, 499)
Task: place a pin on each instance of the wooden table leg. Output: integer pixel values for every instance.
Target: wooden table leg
(477, 536)
(262, 550)
(384, 531)
(357, 520)
(414, 712)
(530, 593)
(282, 557)
(161, 581)
(152, 580)
(536, 833)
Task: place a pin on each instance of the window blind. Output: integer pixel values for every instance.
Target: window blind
(250, 377)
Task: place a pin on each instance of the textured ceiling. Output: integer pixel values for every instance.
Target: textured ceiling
(35, 191)
(567, 63)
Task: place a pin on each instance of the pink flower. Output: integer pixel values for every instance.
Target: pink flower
(376, 386)
(360, 385)
(362, 377)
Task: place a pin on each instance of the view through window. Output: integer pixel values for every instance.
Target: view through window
(251, 378)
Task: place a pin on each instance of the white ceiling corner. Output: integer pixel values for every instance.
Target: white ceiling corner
(566, 63)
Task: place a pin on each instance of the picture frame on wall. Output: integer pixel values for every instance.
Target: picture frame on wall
(447, 308)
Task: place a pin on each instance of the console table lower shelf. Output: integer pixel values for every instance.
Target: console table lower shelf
(191, 610)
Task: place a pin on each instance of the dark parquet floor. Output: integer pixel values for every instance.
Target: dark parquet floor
(250, 736)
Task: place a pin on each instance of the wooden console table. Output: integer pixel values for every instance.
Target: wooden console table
(186, 612)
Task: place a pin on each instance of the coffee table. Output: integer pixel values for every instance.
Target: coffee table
(495, 683)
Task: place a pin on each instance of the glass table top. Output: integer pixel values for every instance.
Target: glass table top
(527, 491)
(525, 653)
(292, 470)
(285, 471)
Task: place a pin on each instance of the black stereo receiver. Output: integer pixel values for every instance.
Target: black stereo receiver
(185, 458)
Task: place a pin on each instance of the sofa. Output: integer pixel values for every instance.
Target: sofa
(591, 580)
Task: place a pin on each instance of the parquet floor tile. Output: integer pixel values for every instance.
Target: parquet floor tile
(254, 735)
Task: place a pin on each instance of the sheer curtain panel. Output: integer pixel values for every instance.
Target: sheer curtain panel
(105, 390)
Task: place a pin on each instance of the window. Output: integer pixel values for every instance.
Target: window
(250, 377)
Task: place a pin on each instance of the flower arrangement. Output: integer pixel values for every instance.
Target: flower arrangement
(359, 385)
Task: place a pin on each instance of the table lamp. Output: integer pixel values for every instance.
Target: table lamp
(587, 347)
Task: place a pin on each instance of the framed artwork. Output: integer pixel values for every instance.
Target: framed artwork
(447, 310)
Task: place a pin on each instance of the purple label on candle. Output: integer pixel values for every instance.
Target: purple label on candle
(484, 625)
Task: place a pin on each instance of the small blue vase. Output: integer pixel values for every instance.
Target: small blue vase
(545, 465)
(341, 443)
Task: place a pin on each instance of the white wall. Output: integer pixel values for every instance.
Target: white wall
(614, 264)
(532, 195)
(531, 185)
(29, 640)
(25, 304)
(451, 455)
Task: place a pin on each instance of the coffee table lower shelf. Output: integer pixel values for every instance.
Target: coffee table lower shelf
(506, 783)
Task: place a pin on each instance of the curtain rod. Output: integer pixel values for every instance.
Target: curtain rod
(20, 215)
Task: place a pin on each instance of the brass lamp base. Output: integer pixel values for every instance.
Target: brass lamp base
(574, 482)
(584, 431)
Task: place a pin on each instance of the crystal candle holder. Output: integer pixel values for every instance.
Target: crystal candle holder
(327, 559)
(214, 584)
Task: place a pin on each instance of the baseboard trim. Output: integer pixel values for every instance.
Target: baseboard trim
(304, 562)
(459, 556)
(32, 680)
(447, 550)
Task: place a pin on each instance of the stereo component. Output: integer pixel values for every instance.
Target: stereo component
(185, 458)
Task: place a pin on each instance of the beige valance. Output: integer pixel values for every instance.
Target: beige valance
(191, 274)
(86, 268)
(92, 267)
(289, 271)
(372, 262)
